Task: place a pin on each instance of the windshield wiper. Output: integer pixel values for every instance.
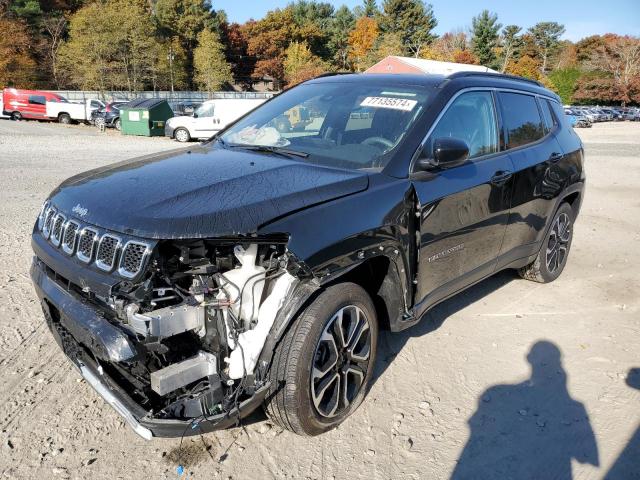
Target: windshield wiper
(270, 149)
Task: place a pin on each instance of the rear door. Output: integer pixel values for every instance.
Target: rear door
(538, 161)
(463, 210)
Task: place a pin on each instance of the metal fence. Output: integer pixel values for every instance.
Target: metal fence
(109, 96)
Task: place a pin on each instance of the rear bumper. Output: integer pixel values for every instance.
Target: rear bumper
(84, 335)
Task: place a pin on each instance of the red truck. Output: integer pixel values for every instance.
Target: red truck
(32, 104)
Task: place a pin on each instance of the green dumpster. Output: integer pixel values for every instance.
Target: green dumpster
(145, 117)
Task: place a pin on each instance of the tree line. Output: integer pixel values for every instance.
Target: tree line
(138, 45)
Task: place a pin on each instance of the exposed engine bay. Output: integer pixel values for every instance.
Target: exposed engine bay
(200, 314)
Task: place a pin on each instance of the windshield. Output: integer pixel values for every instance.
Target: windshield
(340, 125)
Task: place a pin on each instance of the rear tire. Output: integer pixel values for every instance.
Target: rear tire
(323, 366)
(182, 135)
(553, 255)
(64, 119)
(16, 116)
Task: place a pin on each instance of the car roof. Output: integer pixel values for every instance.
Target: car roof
(462, 79)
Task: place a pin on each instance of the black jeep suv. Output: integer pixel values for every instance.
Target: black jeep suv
(257, 268)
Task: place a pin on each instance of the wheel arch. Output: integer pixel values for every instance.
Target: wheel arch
(378, 275)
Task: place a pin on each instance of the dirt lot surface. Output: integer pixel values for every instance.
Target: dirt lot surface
(508, 369)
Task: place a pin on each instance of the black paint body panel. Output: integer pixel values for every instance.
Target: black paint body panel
(441, 231)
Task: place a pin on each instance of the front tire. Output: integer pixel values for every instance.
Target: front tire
(323, 366)
(118, 125)
(553, 255)
(182, 135)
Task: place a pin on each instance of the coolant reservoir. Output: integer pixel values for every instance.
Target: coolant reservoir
(249, 279)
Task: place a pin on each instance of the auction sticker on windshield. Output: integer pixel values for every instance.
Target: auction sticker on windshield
(388, 102)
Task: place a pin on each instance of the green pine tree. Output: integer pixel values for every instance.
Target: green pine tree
(412, 20)
(484, 38)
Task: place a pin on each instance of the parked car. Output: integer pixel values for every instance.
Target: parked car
(576, 118)
(28, 104)
(612, 114)
(68, 112)
(108, 116)
(192, 287)
(592, 115)
(604, 116)
(209, 118)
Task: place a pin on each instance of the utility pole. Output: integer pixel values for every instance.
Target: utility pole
(171, 56)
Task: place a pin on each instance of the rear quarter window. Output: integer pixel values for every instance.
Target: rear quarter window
(521, 118)
(549, 119)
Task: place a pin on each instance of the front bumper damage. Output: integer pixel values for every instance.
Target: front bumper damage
(87, 338)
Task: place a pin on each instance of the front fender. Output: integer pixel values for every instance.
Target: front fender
(336, 236)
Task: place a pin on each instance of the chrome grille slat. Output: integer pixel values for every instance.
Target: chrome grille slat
(46, 228)
(43, 213)
(86, 244)
(57, 229)
(107, 252)
(132, 258)
(69, 237)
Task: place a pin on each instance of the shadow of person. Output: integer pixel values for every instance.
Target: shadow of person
(627, 466)
(390, 344)
(530, 430)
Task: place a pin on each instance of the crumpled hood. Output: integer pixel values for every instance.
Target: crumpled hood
(202, 191)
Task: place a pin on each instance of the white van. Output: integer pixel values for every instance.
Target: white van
(210, 117)
(66, 112)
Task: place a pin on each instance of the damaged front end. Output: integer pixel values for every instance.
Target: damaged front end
(178, 343)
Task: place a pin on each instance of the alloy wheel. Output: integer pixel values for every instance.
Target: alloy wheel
(558, 242)
(340, 361)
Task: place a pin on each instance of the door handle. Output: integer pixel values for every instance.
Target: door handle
(501, 176)
(555, 157)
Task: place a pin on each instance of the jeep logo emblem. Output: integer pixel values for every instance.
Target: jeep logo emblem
(79, 210)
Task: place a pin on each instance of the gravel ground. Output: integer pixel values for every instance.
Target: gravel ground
(507, 368)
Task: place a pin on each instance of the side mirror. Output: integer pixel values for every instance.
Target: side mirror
(194, 115)
(447, 152)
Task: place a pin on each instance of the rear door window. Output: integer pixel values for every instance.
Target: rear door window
(37, 100)
(521, 118)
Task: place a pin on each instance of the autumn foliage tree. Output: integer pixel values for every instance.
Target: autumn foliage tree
(17, 67)
(211, 67)
(111, 45)
(268, 39)
(301, 64)
(619, 56)
(362, 40)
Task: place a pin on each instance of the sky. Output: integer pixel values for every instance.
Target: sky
(581, 18)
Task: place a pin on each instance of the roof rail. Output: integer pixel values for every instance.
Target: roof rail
(494, 75)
